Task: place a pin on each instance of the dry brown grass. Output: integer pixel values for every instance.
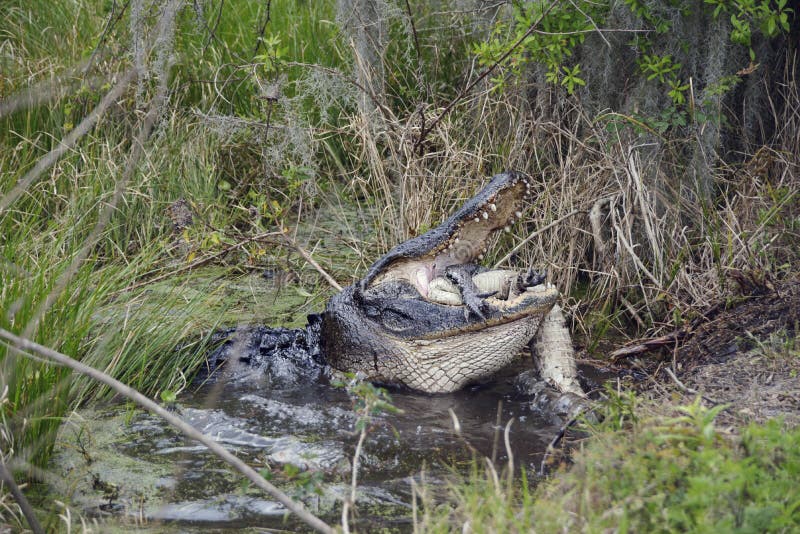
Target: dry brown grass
(659, 250)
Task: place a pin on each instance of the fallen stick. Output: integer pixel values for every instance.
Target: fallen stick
(195, 264)
(306, 256)
(647, 345)
(24, 505)
(23, 344)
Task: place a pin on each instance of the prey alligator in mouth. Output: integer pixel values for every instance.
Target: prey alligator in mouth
(394, 327)
(425, 316)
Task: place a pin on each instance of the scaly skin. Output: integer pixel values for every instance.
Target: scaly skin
(385, 340)
(388, 328)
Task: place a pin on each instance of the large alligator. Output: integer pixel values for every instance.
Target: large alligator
(425, 316)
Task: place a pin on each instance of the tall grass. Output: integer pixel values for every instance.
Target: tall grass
(653, 474)
(264, 131)
(659, 247)
(129, 335)
(85, 313)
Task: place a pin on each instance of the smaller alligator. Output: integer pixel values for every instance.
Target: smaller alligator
(425, 316)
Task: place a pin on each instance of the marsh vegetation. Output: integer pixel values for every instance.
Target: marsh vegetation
(156, 157)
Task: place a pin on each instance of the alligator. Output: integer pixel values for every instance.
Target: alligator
(427, 317)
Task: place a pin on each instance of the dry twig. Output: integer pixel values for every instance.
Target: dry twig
(306, 256)
(24, 505)
(195, 264)
(22, 345)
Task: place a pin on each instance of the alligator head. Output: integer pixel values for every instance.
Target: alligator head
(388, 328)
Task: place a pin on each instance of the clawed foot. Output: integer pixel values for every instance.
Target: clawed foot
(473, 299)
(531, 279)
(477, 306)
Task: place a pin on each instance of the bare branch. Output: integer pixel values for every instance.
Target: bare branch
(69, 141)
(195, 264)
(262, 29)
(306, 256)
(24, 505)
(463, 93)
(23, 344)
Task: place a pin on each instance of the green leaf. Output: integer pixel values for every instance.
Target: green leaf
(361, 424)
(290, 470)
(302, 292)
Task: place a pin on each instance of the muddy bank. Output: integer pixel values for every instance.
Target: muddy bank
(743, 353)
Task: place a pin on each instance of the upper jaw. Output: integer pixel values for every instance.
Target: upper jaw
(497, 206)
(462, 238)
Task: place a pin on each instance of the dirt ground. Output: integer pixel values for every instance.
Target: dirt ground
(746, 356)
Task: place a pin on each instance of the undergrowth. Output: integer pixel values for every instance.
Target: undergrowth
(658, 196)
(652, 474)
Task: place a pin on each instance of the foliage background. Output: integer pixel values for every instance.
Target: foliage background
(664, 134)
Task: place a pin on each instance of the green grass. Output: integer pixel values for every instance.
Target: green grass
(41, 236)
(679, 475)
(373, 183)
(656, 474)
(133, 336)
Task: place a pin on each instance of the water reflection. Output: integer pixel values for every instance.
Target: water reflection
(158, 475)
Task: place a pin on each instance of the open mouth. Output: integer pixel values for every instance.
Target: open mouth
(461, 239)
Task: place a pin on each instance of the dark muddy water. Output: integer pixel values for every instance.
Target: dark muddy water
(132, 468)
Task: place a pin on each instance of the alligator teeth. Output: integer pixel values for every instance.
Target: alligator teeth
(480, 256)
(493, 207)
(507, 229)
(457, 240)
(485, 215)
(450, 246)
(518, 214)
(476, 219)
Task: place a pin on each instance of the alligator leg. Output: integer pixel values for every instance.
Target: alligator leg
(532, 278)
(461, 276)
